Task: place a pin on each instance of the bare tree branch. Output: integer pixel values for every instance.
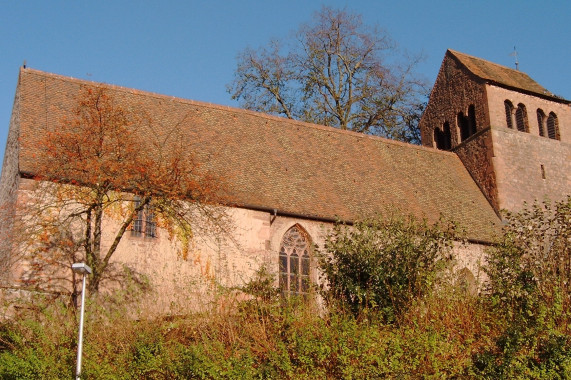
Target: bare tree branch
(339, 72)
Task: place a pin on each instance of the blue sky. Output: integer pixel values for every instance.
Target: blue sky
(188, 48)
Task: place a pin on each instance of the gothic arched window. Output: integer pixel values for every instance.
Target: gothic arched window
(521, 118)
(552, 126)
(509, 111)
(294, 262)
(541, 122)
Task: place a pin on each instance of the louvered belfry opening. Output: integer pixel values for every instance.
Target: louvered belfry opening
(509, 111)
(521, 118)
(541, 122)
(552, 126)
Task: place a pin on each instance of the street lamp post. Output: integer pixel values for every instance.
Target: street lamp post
(84, 269)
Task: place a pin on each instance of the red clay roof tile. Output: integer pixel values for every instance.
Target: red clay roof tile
(295, 167)
(501, 75)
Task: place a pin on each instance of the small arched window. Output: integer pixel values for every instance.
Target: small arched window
(144, 221)
(552, 126)
(509, 112)
(466, 281)
(462, 123)
(294, 262)
(447, 136)
(443, 138)
(472, 119)
(541, 121)
(521, 118)
(438, 138)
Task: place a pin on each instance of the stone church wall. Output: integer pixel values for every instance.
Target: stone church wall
(8, 191)
(528, 166)
(454, 91)
(178, 281)
(179, 284)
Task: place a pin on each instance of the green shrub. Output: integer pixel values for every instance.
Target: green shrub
(532, 263)
(384, 263)
(530, 290)
(39, 347)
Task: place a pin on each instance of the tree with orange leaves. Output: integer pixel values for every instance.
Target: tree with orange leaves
(108, 162)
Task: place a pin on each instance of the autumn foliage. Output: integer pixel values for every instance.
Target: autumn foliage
(100, 159)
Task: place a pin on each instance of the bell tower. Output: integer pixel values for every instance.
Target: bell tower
(513, 136)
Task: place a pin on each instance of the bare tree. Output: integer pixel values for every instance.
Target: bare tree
(337, 72)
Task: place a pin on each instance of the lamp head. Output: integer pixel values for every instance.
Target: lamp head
(81, 268)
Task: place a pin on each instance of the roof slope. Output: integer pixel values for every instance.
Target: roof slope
(291, 166)
(501, 75)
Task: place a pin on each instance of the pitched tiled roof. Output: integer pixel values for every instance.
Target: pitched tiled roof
(501, 75)
(294, 167)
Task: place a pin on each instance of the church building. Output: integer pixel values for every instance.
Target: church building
(492, 139)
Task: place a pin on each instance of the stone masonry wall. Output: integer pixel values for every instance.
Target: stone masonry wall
(529, 167)
(8, 191)
(179, 283)
(476, 154)
(454, 91)
(183, 283)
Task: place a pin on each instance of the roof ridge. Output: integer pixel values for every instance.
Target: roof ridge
(502, 76)
(262, 115)
(456, 52)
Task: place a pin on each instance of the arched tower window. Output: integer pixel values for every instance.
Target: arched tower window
(438, 138)
(552, 126)
(447, 136)
(467, 124)
(521, 118)
(541, 122)
(509, 112)
(472, 119)
(443, 138)
(462, 123)
(294, 262)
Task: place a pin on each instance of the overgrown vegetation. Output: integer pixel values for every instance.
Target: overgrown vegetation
(383, 264)
(519, 328)
(530, 291)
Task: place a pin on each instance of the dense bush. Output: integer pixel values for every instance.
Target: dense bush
(532, 263)
(530, 292)
(283, 343)
(384, 263)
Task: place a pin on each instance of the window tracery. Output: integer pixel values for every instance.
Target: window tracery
(294, 262)
(144, 221)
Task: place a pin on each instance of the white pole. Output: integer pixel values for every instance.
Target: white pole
(80, 342)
